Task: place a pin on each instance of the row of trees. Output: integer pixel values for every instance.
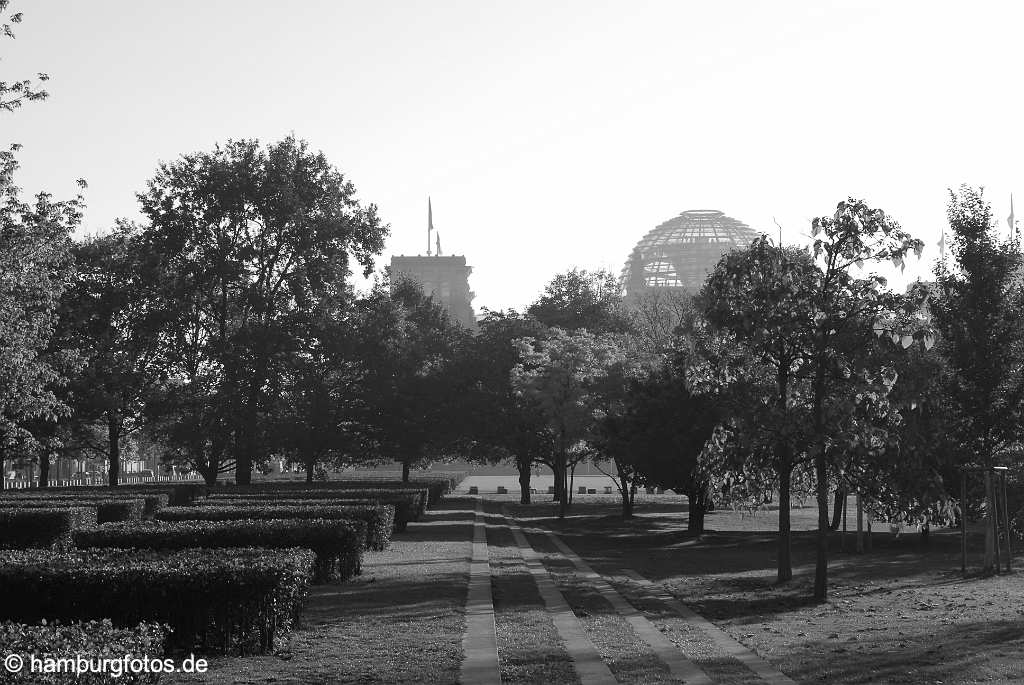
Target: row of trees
(788, 372)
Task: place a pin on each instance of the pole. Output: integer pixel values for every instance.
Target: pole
(1006, 520)
(994, 499)
(963, 522)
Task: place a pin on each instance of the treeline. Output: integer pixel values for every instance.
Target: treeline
(794, 372)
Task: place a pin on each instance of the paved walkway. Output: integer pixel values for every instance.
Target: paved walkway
(480, 642)
(481, 664)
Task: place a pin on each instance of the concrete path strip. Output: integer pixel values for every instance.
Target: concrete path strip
(587, 661)
(480, 642)
(722, 639)
(679, 666)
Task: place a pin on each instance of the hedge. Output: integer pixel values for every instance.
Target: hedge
(41, 527)
(338, 544)
(409, 504)
(153, 501)
(231, 601)
(379, 519)
(403, 509)
(107, 510)
(92, 641)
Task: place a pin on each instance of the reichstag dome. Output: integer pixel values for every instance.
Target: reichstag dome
(681, 252)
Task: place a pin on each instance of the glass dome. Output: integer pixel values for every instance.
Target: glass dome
(682, 251)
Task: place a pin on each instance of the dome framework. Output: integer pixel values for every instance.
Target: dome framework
(681, 252)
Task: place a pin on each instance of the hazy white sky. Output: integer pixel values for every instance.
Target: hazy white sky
(549, 134)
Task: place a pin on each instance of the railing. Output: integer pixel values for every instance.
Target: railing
(25, 484)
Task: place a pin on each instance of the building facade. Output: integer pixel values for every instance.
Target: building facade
(445, 278)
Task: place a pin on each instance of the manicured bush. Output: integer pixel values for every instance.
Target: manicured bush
(409, 504)
(107, 510)
(152, 501)
(232, 601)
(90, 640)
(338, 544)
(46, 528)
(404, 507)
(379, 519)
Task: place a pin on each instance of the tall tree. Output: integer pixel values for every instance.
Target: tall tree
(759, 294)
(35, 265)
(115, 314)
(979, 311)
(410, 392)
(256, 237)
(557, 375)
(590, 300)
(501, 424)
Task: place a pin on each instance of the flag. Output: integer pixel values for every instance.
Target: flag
(942, 245)
(437, 237)
(1009, 219)
(430, 223)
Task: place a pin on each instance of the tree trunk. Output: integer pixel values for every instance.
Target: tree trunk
(990, 547)
(563, 503)
(559, 483)
(572, 482)
(114, 448)
(310, 466)
(44, 470)
(697, 505)
(837, 507)
(785, 566)
(3, 471)
(821, 557)
(924, 533)
(524, 480)
(860, 524)
(405, 472)
(869, 540)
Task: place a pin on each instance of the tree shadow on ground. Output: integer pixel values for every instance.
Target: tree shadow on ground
(951, 654)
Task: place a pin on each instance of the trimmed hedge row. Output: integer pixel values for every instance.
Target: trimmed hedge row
(382, 518)
(153, 501)
(338, 544)
(409, 504)
(43, 527)
(232, 601)
(438, 484)
(378, 518)
(107, 510)
(92, 640)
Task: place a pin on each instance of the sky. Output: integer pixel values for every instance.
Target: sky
(548, 134)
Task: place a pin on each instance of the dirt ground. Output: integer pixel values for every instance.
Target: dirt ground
(901, 613)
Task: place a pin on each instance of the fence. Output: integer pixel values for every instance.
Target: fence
(25, 484)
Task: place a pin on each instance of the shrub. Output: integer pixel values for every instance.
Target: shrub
(47, 528)
(409, 504)
(233, 601)
(91, 640)
(338, 544)
(107, 510)
(401, 508)
(153, 501)
(378, 518)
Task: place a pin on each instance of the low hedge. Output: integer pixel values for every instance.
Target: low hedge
(338, 544)
(42, 527)
(89, 641)
(379, 519)
(230, 601)
(409, 504)
(152, 501)
(107, 510)
(402, 509)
